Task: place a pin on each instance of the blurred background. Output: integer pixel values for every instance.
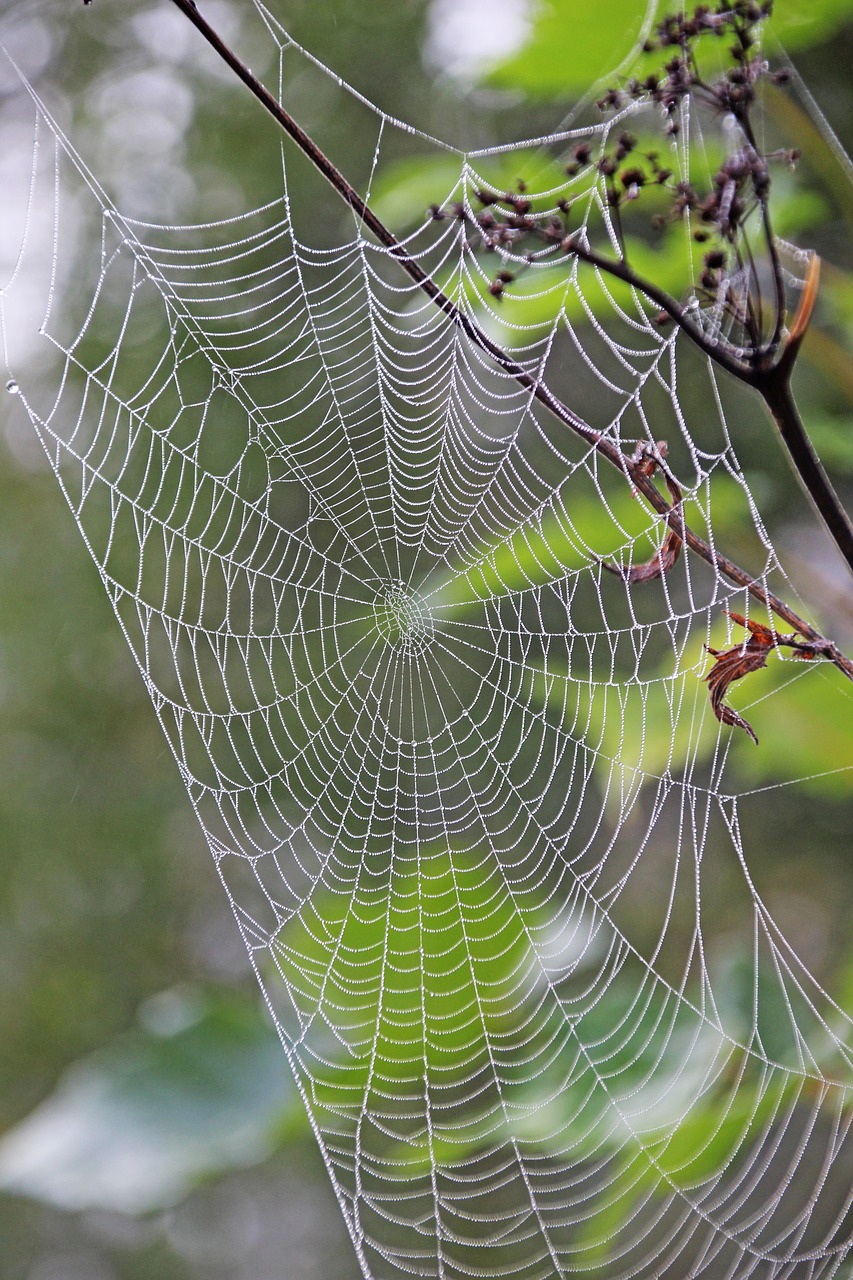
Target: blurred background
(133, 1038)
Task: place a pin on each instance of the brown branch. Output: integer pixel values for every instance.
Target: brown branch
(732, 571)
(538, 389)
(673, 308)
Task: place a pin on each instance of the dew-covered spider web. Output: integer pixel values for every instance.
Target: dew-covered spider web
(487, 845)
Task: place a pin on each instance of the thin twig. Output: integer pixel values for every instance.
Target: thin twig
(753, 310)
(674, 519)
(601, 444)
(772, 248)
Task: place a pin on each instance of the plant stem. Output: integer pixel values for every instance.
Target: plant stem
(770, 241)
(538, 389)
(775, 389)
(674, 309)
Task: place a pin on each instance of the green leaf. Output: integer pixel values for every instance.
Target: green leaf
(454, 930)
(832, 437)
(798, 26)
(794, 208)
(805, 730)
(637, 731)
(199, 1089)
(571, 46)
(836, 295)
(565, 537)
(574, 45)
(720, 1129)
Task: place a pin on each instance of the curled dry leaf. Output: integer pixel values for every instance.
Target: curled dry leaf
(801, 320)
(750, 655)
(647, 462)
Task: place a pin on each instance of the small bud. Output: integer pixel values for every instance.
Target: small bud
(611, 101)
(625, 144)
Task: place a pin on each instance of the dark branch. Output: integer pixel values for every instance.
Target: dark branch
(674, 309)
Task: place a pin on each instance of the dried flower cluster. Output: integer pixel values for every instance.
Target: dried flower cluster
(509, 221)
(734, 91)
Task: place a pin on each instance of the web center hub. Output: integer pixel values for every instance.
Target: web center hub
(402, 618)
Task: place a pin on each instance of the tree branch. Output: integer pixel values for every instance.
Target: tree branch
(539, 391)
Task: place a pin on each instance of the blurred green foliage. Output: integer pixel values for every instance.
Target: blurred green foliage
(107, 893)
(198, 1088)
(570, 49)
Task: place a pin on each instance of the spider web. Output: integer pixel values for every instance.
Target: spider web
(462, 786)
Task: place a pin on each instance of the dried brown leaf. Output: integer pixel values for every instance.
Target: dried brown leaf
(740, 660)
(665, 558)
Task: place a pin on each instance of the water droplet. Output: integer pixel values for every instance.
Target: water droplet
(12, 387)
